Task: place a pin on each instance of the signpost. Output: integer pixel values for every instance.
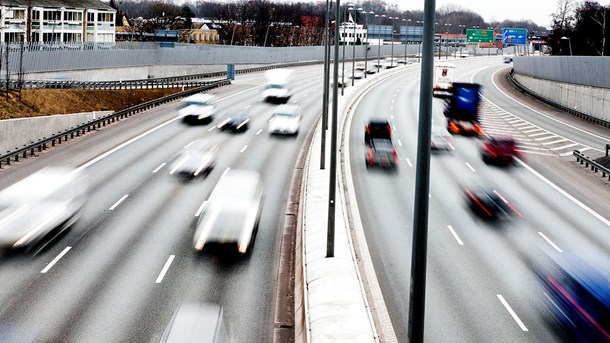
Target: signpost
(514, 36)
(479, 36)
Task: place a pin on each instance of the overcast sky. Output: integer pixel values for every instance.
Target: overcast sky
(539, 11)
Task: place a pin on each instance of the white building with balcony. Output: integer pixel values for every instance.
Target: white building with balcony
(351, 33)
(56, 21)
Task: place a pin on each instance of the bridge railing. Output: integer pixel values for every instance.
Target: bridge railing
(590, 163)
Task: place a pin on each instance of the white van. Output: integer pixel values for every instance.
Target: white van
(444, 75)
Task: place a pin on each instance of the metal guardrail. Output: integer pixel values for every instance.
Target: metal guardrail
(60, 137)
(574, 112)
(596, 167)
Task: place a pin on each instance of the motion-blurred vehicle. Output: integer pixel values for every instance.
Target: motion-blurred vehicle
(462, 109)
(285, 120)
(500, 149)
(371, 70)
(444, 75)
(236, 121)
(195, 159)
(195, 323)
(390, 62)
(277, 90)
(231, 215)
(381, 152)
(576, 293)
(358, 74)
(39, 207)
(488, 203)
(440, 139)
(377, 128)
(508, 59)
(198, 109)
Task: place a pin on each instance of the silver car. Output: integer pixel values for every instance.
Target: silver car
(197, 158)
(231, 215)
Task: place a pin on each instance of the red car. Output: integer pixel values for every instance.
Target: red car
(500, 149)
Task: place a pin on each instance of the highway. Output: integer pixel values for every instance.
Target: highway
(480, 287)
(126, 266)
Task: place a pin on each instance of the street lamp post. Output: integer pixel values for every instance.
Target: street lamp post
(447, 29)
(421, 37)
(366, 46)
(233, 34)
(267, 34)
(292, 36)
(406, 36)
(380, 40)
(354, 43)
(392, 42)
(349, 7)
(569, 43)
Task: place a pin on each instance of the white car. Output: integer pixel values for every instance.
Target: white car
(441, 139)
(231, 215)
(198, 109)
(285, 120)
(197, 158)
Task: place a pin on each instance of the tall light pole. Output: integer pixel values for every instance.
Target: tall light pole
(354, 43)
(447, 28)
(366, 46)
(407, 21)
(233, 34)
(380, 40)
(569, 43)
(267, 34)
(292, 36)
(348, 8)
(421, 38)
(392, 41)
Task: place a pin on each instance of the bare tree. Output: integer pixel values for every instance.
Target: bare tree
(8, 74)
(564, 15)
(21, 74)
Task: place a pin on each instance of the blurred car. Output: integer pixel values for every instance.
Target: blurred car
(196, 158)
(372, 70)
(488, 203)
(277, 90)
(237, 121)
(358, 74)
(500, 149)
(508, 59)
(377, 128)
(231, 215)
(381, 152)
(576, 293)
(40, 207)
(195, 323)
(198, 109)
(285, 120)
(440, 139)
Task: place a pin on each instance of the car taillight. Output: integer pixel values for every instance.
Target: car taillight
(478, 129)
(370, 152)
(490, 150)
(389, 129)
(453, 128)
(395, 155)
(366, 129)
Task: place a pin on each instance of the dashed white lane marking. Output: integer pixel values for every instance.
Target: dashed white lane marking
(247, 107)
(225, 172)
(188, 145)
(550, 242)
(455, 235)
(212, 128)
(394, 127)
(399, 142)
(512, 313)
(409, 163)
(244, 148)
(469, 166)
(118, 202)
(200, 209)
(55, 260)
(159, 167)
(165, 268)
(259, 131)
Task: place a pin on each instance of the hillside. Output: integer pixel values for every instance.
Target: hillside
(41, 102)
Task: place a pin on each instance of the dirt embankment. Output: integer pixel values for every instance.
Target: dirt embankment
(42, 102)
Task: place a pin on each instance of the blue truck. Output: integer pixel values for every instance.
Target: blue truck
(462, 109)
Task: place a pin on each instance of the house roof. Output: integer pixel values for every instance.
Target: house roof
(87, 4)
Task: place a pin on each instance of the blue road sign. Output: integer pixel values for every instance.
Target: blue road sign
(514, 36)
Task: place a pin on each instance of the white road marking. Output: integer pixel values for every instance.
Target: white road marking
(532, 130)
(391, 108)
(212, 128)
(523, 125)
(200, 209)
(188, 145)
(512, 313)
(165, 268)
(551, 136)
(118, 202)
(50, 265)
(565, 146)
(554, 142)
(394, 127)
(244, 148)
(409, 163)
(564, 193)
(159, 167)
(259, 131)
(457, 238)
(247, 107)
(469, 166)
(399, 142)
(225, 172)
(391, 116)
(550, 242)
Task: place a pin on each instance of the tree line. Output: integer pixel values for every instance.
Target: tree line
(580, 28)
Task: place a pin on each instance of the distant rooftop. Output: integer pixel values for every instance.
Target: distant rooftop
(90, 4)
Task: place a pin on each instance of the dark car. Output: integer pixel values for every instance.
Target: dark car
(500, 149)
(576, 293)
(377, 128)
(488, 203)
(235, 122)
(508, 59)
(381, 152)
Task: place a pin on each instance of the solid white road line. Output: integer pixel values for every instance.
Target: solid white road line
(244, 148)
(225, 172)
(457, 238)
(118, 202)
(50, 265)
(469, 166)
(159, 167)
(550, 242)
(512, 313)
(165, 268)
(564, 193)
(198, 213)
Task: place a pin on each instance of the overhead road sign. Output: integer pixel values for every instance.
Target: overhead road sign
(512, 36)
(479, 36)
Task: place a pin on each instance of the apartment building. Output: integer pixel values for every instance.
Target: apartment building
(64, 21)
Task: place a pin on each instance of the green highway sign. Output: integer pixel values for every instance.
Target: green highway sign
(479, 36)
